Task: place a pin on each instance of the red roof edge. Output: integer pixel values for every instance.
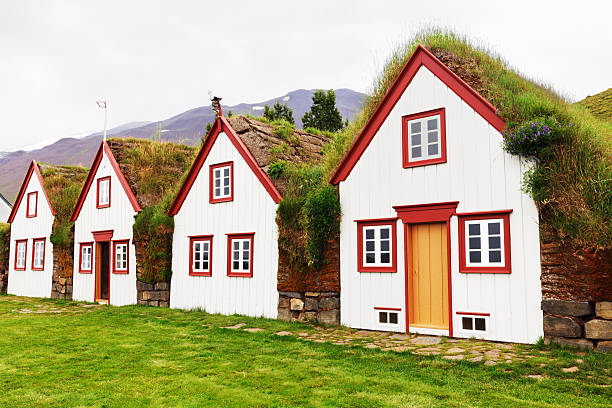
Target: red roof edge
(92, 173)
(32, 169)
(421, 56)
(221, 125)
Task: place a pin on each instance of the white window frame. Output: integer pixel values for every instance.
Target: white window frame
(104, 193)
(377, 245)
(203, 242)
(38, 262)
(121, 249)
(21, 255)
(86, 253)
(388, 313)
(222, 179)
(424, 138)
(473, 331)
(241, 255)
(32, 205)
(484, 243)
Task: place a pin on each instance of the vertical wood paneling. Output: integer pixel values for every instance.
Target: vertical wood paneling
(119, 217)
(478, 174)
(29, 282)
(252, 210)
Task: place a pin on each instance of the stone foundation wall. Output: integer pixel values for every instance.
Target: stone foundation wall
(157, 294)
(577, 293)
(314, 294)
(61, 284)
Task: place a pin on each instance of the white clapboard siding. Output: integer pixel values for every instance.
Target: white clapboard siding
(478, 174)
(252, 210)
(29, 282)
(119, 217)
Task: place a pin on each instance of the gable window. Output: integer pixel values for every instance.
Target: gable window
(221, 182)
(32, 205)
(21, 250)
(240, 255)
(85, 257)
(38, 254)
(376, 245)
(484, 242)
(424, 138)
(120, 256)
(104, 192)
(200, 255)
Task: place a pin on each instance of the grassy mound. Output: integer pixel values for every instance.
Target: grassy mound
(571, 173)
(599, 105)
(5, 242)
(154, 170)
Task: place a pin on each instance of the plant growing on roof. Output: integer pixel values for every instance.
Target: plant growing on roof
(279, 111)
(276, 169)
(323, 114)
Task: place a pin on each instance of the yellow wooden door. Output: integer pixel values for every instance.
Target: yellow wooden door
(427, 276)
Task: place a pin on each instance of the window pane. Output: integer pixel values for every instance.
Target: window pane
(432, 124)
(475, 243)
(432, 149)
(495, 256)
(415, 140)
(217, 191)
(369, 246)
(217, 173)
(369, 233)
(382, 317)
(196, 265)
(384, 233)
(236, 265)
(245, 255)
(480, 324)
(494, 242)
(205, 244)
(205, 266)
(245, 265)
(246, 244)
(415, 127)
(226, 172)
(197, 256)
(416, 152)
(432, 137)
(466, 323)
(393, 318)
(217, 182)
(474, 229)
(475, 257)
(226, 191)
(205, 257)
(236, 245)
(370, 258)
(226, 181)
(385, 258)
(494, 228)
(384, 245)
(236, 255)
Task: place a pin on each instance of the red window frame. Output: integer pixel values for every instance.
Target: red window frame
(211, 195)
(34, 241)
(196, 238)
(127, 255)
(487, 215)
(230, 238)
(101, 179)
(406, 145)
(81, 246)
(25, 254)
(28, 215)
(392, 222)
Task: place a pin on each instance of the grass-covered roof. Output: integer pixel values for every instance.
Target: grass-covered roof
(571, 180)
(599, 105)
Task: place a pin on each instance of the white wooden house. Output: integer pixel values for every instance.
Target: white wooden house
(436, 235)
(31, 252)
(104, 256)
(5, 209)
(225, 251)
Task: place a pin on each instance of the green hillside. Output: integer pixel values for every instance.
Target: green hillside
(599, 105)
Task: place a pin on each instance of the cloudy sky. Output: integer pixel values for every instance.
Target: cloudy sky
(154, 59)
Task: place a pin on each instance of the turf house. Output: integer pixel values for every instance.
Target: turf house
(40, 261)
(225, 246)
(122, 239)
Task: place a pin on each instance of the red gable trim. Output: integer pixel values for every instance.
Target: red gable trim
(221, 125)
(32, 169)
(420, 57)
(92, 173)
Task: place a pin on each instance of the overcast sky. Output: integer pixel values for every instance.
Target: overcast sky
(154, 59)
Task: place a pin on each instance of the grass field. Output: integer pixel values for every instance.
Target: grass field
(58, 353)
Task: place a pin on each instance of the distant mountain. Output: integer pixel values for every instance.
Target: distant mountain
(187, 127)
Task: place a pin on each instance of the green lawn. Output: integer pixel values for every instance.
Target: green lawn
(139, 356)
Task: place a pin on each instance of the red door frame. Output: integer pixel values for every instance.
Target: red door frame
(103, 236)
(426, 213)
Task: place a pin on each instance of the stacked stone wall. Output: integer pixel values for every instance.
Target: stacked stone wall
(63, 262)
